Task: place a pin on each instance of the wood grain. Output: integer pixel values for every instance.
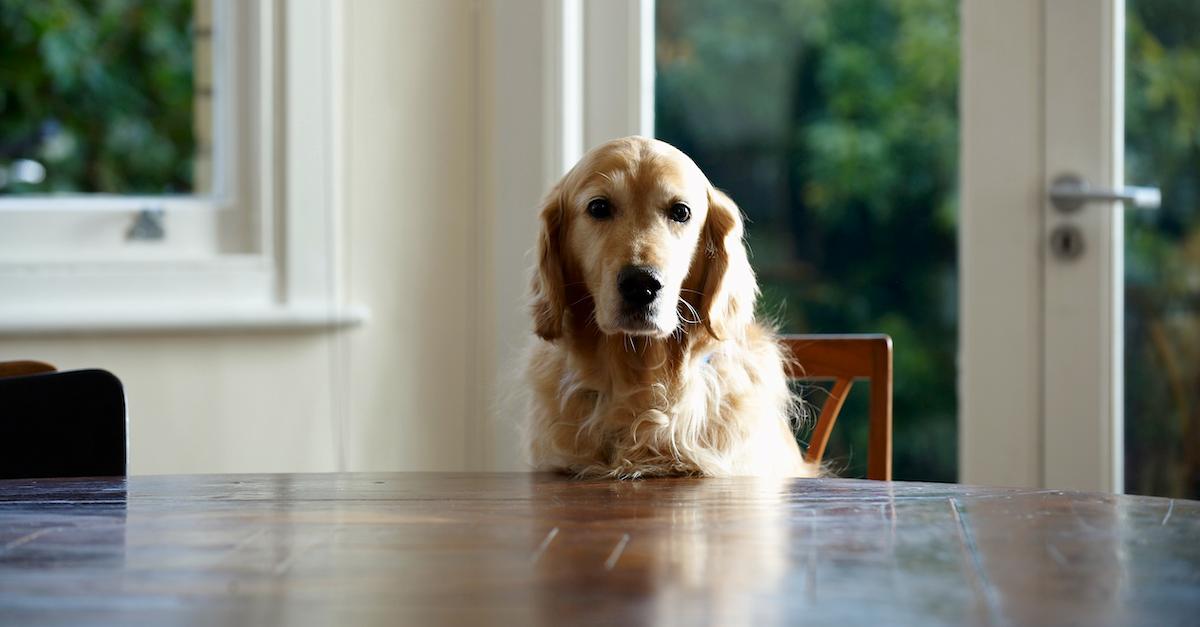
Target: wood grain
(429, 549)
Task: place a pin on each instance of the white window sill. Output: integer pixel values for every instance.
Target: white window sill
(57, 321)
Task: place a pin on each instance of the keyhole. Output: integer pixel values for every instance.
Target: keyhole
(1066, 242)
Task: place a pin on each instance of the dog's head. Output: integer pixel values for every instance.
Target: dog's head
(636, 233)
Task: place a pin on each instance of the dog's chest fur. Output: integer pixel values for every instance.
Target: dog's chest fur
(653, 407)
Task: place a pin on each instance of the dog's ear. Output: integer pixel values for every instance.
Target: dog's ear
(729, 287)
(547, 295)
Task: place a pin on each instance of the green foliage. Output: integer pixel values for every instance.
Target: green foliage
(834, 125)
(100, 92)
(1162, 249)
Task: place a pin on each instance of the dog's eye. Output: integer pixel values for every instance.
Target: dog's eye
(599, 209)
(680, 212)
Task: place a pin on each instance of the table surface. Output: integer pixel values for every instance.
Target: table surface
(426, 549)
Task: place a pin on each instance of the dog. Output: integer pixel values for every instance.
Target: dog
(648, 358)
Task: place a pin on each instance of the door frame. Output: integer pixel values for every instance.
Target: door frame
(1000, 243)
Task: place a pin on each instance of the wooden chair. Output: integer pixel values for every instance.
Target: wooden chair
(60, 424)
(845, 359)
(24, 367)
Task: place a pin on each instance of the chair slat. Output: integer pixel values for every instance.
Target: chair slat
(824, 426)
(848, 358)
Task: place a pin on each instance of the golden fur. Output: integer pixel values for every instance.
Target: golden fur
(697, 385)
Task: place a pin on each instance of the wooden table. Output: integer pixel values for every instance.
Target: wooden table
(423, 549)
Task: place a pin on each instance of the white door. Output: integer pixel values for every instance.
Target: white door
(1053, 384)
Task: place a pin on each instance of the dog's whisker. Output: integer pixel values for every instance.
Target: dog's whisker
(580, 300)
(695, 314)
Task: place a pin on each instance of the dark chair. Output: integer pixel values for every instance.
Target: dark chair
(844, 359)
(62, 424)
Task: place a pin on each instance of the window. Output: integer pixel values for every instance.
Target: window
(124, 115)
(144, 162)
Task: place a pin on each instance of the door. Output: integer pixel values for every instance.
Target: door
(1065, 124)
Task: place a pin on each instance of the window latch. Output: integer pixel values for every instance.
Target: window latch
(147, 226)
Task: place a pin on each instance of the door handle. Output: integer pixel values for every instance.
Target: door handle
(1068, 194)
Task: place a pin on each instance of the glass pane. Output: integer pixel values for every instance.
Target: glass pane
(108, 96)
(1162, 249)
(834, 125)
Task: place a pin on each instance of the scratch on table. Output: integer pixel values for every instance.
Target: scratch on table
(1167, 516)
(1059, 558)
(979, 579)
(285, 564)
(537, 553)
(616, 552)
(810, 570)
(235, 551)
(29, 537)
(289, 560)
(246, 541)
(1082, 521)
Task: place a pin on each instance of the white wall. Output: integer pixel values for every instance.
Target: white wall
(411, 181)
(401, 392)
(211, 403)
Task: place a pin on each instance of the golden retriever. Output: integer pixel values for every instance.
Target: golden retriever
(649, 360)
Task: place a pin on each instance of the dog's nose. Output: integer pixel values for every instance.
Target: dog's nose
(638, 285)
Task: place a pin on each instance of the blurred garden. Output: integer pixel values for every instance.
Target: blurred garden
(833, 124)
(1162, 249)
(96, 96)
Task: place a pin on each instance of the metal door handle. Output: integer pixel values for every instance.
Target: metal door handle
(1069, 193)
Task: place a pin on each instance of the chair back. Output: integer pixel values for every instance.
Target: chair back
(845, 359)
(24, 367)
(62, 424)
